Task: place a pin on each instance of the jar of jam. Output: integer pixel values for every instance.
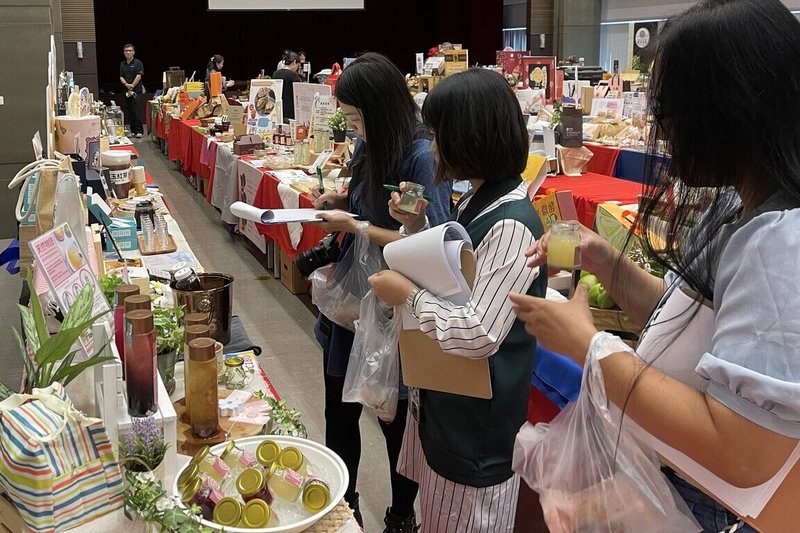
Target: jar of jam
(210, 464)
(251, 485)
(235, 374)
(411, 199)
(316, 495)
(203, 497)
(268, 452)
(237, 459)
(228, 512)
(285, 483)
(256, 514)
(293, 459)
(187, 477)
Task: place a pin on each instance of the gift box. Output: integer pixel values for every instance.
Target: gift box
(555, 206)
(248, 144)
(123, 231)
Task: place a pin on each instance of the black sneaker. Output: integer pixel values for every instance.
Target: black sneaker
(397, 524)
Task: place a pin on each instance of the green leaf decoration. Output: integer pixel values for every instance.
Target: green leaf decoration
(29, 327)
(70, 373)
(5, 392)
(36, 309)
(30, 373)
(81, 310)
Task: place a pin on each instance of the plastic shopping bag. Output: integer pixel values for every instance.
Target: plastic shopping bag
(588, 482)
(337, 289)
(373, 371)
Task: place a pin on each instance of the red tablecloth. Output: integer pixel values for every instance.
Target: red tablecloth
(591, 190)
(604, 160)
(191, 163)
(268, 198)
(147, 113)
(161, 125)
(180, 143)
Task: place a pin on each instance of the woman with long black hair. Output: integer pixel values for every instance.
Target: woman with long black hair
(215, 64)
(726, 204)
(392, 147)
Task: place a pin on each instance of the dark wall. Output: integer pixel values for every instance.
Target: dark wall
(254, 40)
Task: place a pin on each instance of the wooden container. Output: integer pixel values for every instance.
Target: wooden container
(616, 322)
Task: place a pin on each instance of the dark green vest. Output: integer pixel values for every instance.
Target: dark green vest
(471, 440)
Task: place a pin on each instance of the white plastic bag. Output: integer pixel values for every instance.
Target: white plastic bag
(588, 482)
(373, 371)
(337, 289)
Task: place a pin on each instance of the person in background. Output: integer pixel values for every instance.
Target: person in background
(301, 57)
(392, 147)
(131, 72)
(459, 448)
(289, 76)
(730, 399)
(282, 62)
(215, 64)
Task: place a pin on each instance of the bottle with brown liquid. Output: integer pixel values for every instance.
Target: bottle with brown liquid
(141, 368)
(195, 331)
(201, 388)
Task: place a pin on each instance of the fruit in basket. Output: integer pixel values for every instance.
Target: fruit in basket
(598, 295)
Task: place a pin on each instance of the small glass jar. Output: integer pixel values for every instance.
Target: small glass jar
(235, 374)
(238, 459)
(411, 200)
(285, 483)
(228, 512)
(251, 485)
(268, 452)
(210, 464)
(187, 476)
(293, 459)
(256, 514)
(562, 245)
(316, 495)
(205, 498)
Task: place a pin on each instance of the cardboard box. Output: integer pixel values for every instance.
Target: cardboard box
(291, 277)
(123, 230)
(455, 61)
(554, 207)
(239, 131)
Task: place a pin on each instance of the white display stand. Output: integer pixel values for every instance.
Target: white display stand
(112, 403)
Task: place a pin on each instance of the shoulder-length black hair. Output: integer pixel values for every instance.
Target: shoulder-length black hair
(725, 97)
(374, 85)
(478, 127)
(216, 58)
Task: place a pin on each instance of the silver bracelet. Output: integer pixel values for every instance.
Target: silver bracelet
(604, 344)
(412, 299)
(405, 233)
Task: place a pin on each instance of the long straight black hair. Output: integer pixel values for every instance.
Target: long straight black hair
(725, 97)
(374, 85)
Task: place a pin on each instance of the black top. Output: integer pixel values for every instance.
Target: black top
(289, 77)
(129, 71)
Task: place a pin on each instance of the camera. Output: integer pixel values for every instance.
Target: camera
(326, 253)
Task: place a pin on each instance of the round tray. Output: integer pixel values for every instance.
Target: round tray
(316, 454)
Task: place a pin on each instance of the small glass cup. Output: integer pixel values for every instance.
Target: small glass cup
(412, 197)
(562, 246)
(235, 375)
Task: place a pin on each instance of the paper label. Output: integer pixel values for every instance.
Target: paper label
(119, 177)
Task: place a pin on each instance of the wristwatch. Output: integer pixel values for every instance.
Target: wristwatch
(412, 299)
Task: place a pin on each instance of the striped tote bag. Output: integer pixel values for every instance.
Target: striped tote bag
(56, 465)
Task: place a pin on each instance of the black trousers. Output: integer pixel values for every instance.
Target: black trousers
(133, 108)
(343, 436)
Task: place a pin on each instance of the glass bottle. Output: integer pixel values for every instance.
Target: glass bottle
(293, 459)
(268, 452)
(255, 514)
(187, 476)
(228, 512)
(285, 483)
(411, 199)
(144, 209)
(203, 497)
(316, 495)
(562, 246)
(238, 459)
(138, 301)
(187, 280)
(251, 485)
(201, 388)
(69, 208)
(121, 293)
(211, 465)
(141, 369)
(195, 331)
(235, 375)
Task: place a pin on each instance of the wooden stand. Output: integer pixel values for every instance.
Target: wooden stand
(188, 444)
(171, 246)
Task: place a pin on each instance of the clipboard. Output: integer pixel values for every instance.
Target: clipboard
(426, 366)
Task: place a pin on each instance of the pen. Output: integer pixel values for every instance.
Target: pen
(321, 187)
(395, 188)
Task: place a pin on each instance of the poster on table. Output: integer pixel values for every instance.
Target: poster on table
(540, 73)
(67, 272)
(645, 41)
(249, 182)
(323, 108)
(511, 63)
(264, 110)
(304, 94)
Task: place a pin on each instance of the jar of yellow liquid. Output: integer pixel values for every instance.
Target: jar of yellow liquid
(285, 483)
(562, 246)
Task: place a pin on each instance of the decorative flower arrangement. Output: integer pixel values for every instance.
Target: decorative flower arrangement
(283, 420)
(338, 122)
(146, 499)
(142, 448)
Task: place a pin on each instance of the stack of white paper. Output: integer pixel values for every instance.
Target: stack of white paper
(281, 216)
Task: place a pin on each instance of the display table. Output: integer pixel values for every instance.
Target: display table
(604, 160)
(591, 190)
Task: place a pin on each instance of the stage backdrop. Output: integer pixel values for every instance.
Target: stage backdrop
(185, 33)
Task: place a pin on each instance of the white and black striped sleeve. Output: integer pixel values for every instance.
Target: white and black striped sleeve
(477, 329)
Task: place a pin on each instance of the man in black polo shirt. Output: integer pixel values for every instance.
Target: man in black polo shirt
(131, 72)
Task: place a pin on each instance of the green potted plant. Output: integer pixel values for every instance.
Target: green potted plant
(142, 448)
(108, 283)
(146, 499)
(49, 358)
(169, 341)
(338, 123)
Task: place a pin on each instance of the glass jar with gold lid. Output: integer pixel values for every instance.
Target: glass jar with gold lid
(235, 375)
(256, 514)
(228, 512)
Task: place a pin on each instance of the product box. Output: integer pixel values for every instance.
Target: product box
(555, 207)
(123, 231)
(291, 277)
(455, 61)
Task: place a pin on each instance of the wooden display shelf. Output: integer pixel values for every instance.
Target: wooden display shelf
(171, 246)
